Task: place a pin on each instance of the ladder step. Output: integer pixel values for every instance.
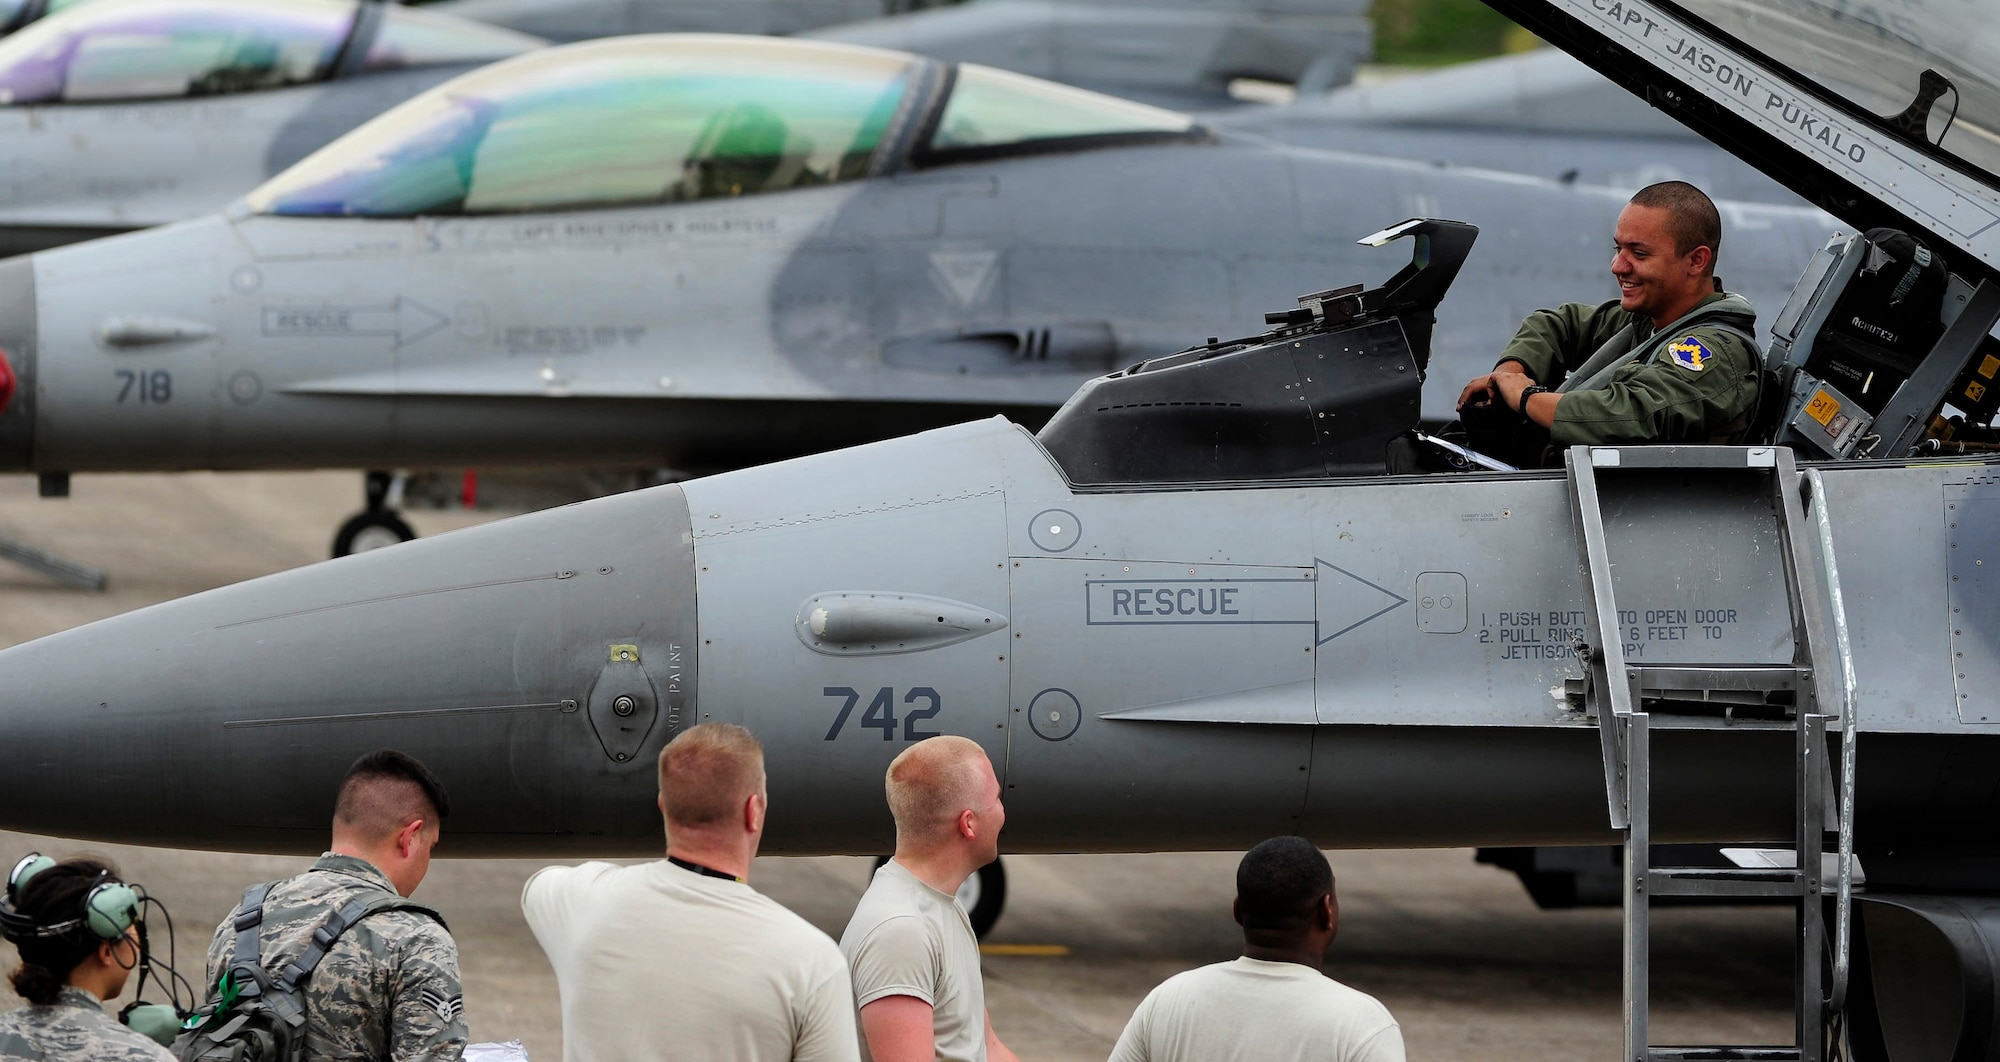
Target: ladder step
(1693, 678)
(1724, 881)
(1682, 457)
(1722, 1054)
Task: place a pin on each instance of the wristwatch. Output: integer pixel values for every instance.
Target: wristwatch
(1531, 391)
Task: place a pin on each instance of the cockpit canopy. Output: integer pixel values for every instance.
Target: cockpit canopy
(166, 49)
(1876, 61)
(674, 118)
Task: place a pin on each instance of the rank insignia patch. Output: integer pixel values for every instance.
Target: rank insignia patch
(1690, 353)
(448, 1009)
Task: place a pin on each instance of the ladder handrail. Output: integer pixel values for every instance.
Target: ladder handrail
(1604, 667)
(1844, 902)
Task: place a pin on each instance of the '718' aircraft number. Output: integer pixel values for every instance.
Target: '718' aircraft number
(881, 711)
(146, 388)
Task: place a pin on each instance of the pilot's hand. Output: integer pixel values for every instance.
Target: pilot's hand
(1480, 391)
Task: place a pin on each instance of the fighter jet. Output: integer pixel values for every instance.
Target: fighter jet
(1192, 612)
(1173, 52)
(122, 114)
(812, 245)
(1170, 50)
(1162, 50)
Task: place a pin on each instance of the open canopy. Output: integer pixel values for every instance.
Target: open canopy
(1874, 58)
(112, 50)
(673, 118)
(1882, 113)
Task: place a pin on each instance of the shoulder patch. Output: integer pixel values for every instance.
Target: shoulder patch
(1689, 353)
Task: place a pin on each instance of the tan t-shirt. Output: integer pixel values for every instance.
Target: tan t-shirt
(656, 962)
(1251, 1010)
(908, 939)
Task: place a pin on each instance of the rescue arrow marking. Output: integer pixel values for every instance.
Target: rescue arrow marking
(1352, 604)
(406, 319)
(1338, 607)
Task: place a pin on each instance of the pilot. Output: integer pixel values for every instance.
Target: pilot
(1673, 359)
(76, 928)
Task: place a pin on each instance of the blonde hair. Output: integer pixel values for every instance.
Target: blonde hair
(931, 782)
(707, 772)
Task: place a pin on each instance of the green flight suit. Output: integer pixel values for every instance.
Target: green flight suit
(1696, 384)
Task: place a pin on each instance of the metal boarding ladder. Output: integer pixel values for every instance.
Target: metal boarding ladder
(1614, 691)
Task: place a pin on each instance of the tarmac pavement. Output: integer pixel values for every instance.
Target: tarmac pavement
(1456, 950)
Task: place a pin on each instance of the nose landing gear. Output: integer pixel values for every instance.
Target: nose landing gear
(379, 524)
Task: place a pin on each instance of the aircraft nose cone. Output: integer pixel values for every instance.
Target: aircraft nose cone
(537, 665)
(17, 363)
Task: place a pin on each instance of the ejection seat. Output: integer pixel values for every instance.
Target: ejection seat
(1875, 349)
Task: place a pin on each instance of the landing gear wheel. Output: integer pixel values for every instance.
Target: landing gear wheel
(371, 529)
(983, 896)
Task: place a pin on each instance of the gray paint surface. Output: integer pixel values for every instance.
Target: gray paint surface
(1319, 704)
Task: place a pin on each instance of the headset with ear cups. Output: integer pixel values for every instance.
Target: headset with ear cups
(109, 909)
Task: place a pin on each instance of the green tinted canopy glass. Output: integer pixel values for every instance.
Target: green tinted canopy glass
(625, 121)
(992, 108)
(159, 49)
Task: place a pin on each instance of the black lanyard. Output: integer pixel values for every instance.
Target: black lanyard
(706, 872)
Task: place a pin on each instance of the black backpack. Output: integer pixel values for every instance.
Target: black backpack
(255, 1016)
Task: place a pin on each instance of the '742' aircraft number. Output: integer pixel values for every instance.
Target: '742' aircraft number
(881, 711)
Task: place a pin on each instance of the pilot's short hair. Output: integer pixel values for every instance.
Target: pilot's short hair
(1279, 883)
(707, 772)
(1691, 216)
(931, 782)
(385, 791)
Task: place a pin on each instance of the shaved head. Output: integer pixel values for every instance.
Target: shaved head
(706, 774)
(1691, 216)
(385, 791)
(932, 782)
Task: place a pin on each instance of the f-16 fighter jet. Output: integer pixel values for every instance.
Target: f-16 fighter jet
(700, 252)
(123, 114)
(1191, 612)
(1174, 49)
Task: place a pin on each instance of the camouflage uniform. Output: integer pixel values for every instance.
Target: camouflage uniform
(73, 1029)
(1695, 385)
(389, 987)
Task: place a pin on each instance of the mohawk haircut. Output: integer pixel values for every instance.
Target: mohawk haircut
(1691, 217)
